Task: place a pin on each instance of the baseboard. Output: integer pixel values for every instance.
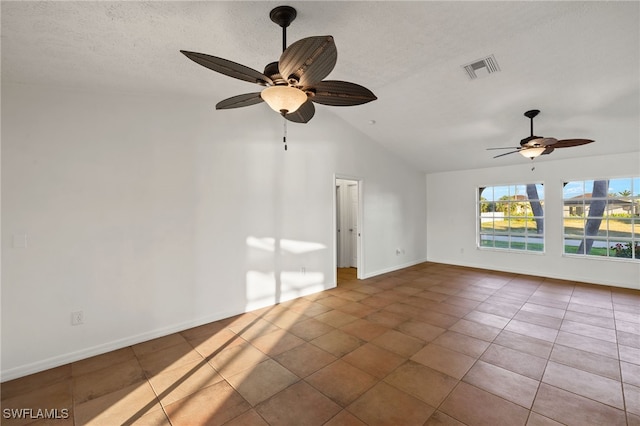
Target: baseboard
(57, 361)
(536, 273)
(393, 268)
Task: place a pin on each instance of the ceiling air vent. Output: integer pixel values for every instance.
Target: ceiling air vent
(481, 67)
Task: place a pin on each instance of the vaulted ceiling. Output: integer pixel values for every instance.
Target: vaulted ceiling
(578, 62)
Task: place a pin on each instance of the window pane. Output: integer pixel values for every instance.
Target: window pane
(620, 228)
(573, 190)
(621, 249)
(486, 240)
(571, 245)
(573, 226)
(506, 216)
(535, 243)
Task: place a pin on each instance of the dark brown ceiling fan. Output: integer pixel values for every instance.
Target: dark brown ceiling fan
(533, 146)
(295, 81)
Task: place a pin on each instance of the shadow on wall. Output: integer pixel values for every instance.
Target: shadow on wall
(271, 277)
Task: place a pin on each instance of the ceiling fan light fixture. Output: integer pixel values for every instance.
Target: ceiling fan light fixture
(283, 99)
(532, 152)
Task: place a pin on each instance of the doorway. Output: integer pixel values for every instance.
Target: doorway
(348, 227)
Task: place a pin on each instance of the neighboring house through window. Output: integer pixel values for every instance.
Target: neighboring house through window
(511, 217)
(602, 218)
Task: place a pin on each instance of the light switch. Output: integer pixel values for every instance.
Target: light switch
(20, 241)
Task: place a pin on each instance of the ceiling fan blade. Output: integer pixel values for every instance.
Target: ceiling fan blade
(566, 143)
(548, 150)
(507, 153)
(308, 60)
(229, 68)
(507, 147)
(240, 101)
(342, 93)
(302, 114)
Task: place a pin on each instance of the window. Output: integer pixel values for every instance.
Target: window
(511, 217)
(601, 218)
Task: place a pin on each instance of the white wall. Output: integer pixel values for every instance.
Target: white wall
(451, 199)
(155, 214)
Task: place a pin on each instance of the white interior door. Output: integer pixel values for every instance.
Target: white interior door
(347, 229)
(353, 223)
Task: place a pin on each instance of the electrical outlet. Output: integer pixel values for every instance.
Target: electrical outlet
(303, 270)
(77, 318)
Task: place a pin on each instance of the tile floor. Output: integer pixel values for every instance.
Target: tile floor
(428, 345)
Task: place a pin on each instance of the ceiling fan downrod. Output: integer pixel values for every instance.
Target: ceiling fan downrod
(283, 16)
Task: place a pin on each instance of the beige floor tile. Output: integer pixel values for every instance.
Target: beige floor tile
(632, 398)
(600, 333)
(305, 359)
(237, 358)
(309, 329)
(628, 339)
(341, 381)
(359, 310)
(536, 419)
(336, 318)
(299, 404)
(532, 330)
(363, 329)
(543, 310)
(183, 381)
(444, 360)
(285, 318)
(516, 361)
(209, 345)
(477, 330)
(157, 344)
(248, 418)
(332, 301)
(588, 344)
(629, 354)
(168, 358)
(387, 319)
(630, 373)
(485, 318)
(462, 343)
(203, 331)
(386, 405)
(421, 330)
(539, 319)
(399, 343)
(337, 342)
(571, 409)
(587, 361)
(101, 382)
(32, 382)
(474, 406)
(374, 360)
(213, 405)
(422, 382)
(498, 306)
(262, 381)
(441, 419)
(256, 328)
(583, 383)
(345, 418)
(594, 320)
(102, 361)
(277, 342)
(124, 406)
(503, 383)
(57, 395)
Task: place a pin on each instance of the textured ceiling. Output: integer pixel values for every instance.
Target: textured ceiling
(578, 62)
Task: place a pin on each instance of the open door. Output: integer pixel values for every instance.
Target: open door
(348, 229)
